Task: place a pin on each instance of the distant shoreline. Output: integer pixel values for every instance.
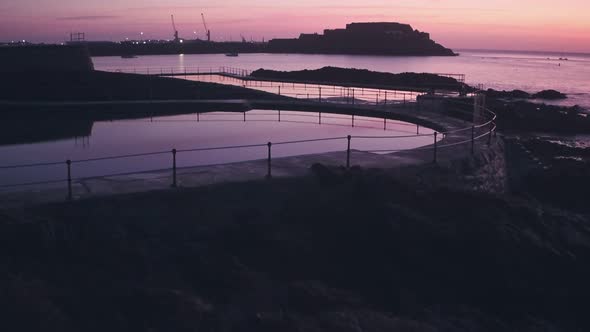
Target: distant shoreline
(557, 53)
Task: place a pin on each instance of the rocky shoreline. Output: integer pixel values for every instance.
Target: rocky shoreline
(519, 94)
(529, 117)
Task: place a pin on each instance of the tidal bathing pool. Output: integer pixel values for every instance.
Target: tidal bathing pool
(91, 155)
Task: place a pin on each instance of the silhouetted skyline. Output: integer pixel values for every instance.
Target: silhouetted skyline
(501, 24)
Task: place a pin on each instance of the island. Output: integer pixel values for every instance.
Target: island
(381, 38)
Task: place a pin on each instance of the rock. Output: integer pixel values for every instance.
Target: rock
(491, 93)
(549, 95)
(519, 94)
(365, 77)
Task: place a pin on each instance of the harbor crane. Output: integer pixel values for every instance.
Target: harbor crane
(176, 39)
(206, 29)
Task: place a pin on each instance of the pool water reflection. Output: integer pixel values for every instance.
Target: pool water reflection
(206, 130)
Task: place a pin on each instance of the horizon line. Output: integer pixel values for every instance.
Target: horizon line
(59, 43)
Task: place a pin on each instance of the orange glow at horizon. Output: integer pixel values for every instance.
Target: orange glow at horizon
(501, 24)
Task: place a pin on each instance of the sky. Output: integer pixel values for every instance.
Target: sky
(550, 25)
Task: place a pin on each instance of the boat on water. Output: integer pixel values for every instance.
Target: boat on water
(128, 56)
(232, 54)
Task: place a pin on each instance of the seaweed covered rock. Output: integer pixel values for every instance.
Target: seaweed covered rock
(549, 95)
(519, 94)
(365, 77)
(514, 94)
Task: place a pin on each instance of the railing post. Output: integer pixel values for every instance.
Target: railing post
(353, 96)
(472, 139)
(174, 184)
(279, 115)
(384, 123)
(279, 90)
(320, 117)
(385, 98)
(348, 152)
(417, 129)
(244, 116)
(268, 173)
(435, 145)
(320, 92)
(69, 164)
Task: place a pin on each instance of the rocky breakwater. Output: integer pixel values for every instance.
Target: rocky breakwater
(520, 94)
(50, 58)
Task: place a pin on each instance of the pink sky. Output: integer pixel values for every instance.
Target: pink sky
(495, 24)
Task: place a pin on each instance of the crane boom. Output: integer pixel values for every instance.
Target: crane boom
(174, 29)
(207, 31)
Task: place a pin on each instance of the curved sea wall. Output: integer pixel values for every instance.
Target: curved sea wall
(51, 58)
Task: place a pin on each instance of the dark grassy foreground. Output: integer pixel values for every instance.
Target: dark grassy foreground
(338, 251)
(364, 77)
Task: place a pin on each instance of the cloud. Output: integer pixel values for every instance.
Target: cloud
(87, 18)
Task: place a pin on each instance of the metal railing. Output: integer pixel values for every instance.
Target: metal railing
(228, 70)
(478, 132)
(181, 71)
(312, 91)
(324, 93)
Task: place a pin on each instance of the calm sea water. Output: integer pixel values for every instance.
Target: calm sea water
(503, 70)
(216, 129)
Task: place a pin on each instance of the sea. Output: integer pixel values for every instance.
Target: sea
(500, 70)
